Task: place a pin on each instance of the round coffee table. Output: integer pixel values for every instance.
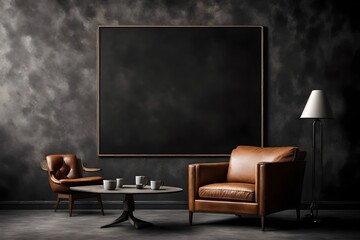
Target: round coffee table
(129, 204)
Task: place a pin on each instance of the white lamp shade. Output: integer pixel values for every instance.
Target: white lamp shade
(317, 106)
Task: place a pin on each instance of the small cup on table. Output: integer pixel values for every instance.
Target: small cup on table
(155, 185)
(141, 181)
(119, 182)
(109, 184)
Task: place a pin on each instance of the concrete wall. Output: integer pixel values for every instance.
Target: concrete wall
(48, 86)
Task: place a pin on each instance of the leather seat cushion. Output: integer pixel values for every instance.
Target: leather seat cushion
(93, 180)
(228, 191)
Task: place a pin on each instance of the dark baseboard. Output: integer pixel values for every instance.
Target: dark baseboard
(333, 205)
(81, 204)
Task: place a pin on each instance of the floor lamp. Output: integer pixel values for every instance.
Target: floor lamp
(316, 108)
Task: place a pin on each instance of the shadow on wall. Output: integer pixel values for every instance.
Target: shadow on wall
(12, 164)
(349, 175)
(347, 72)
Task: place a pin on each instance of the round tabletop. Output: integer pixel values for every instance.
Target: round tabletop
(126, 189)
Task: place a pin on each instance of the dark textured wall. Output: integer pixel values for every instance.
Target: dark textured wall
(48, 87)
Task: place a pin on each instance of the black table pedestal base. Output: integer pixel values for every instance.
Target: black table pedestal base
(129, 207)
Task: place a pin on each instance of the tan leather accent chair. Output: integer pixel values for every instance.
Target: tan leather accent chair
(256, 181)
(65, 171)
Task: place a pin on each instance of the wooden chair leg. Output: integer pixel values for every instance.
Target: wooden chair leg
(263, 223)
(100, 203)
(191, 218)
(71, 204)
(57, 203)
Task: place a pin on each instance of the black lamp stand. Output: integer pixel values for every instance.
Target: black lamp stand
(313, 215)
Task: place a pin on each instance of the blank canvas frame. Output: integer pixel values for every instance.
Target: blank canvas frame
(179, 90)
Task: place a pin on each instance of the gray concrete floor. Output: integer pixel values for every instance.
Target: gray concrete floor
(173, 224)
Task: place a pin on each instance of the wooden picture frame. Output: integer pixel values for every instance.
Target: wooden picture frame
(179, 90)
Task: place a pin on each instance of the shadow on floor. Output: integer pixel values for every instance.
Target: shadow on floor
(328, 223)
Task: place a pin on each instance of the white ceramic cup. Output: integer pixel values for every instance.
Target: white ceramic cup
(119, 182)
(155, 185)
(109, 184)
(141, 180)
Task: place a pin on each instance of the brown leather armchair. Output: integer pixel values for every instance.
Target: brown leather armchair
(64, 172)
(256, 181)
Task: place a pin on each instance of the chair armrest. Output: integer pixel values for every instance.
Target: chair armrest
(54, 180)
(279, 185)
(201, 174)
(207, 173)
(56, 185)
(43, 165)
(86, 169)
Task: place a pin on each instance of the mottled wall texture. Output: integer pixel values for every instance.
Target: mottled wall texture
(48, 85)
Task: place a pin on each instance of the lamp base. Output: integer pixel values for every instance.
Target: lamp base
(312, 217)
(309, 218)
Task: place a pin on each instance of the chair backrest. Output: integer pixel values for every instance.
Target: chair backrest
(243, 160)
(63, 166)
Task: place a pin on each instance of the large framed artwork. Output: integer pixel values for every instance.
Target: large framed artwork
(179, 90)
